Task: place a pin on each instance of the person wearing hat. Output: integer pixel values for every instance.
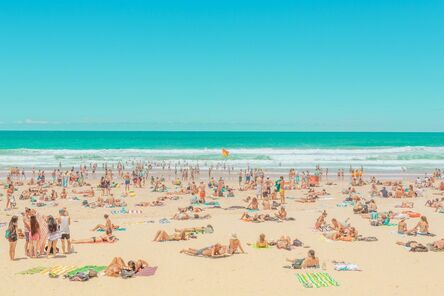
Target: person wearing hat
(402, 226)
(234, 245)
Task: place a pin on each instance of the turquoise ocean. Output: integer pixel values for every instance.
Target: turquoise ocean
(273, 150)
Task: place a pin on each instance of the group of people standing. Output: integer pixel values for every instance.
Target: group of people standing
(41, 234)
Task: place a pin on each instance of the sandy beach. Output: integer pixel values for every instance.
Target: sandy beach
(387, 268)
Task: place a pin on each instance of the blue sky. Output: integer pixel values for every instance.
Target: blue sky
(222, 65)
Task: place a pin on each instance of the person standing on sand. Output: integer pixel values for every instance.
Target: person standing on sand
(27, 228)
(12, 236)
(127, 181)
(259, 183)
(34, 237)
(64, 222)
(202, 192)
(240, 179)
(53, 236)
(9, 193)
(282, 189)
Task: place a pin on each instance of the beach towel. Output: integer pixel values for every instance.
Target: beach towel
(254, 246)
(345, 204)
(316, 279)
(115, 229)
(342, 266)
(125, 211)
(85, 269)
(55, 270)
(164, 221)
(234, 208)
(33, 270)
(147, 271)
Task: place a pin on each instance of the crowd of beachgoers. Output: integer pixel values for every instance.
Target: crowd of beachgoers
(266, 199)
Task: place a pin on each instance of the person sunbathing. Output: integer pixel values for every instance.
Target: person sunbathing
(96, 239)
(181, 216)
(109, 226)
(321, 220)
(284, 242)
(422, 228)
(402, 226)
(85, 193)
(311, 261)
(185, 216)
(335, 225)
(360, 208)
(262, 241)
(308, 199)
(247, 217)
(190, 209)
(266, 204)
(411, 192)
(116, 266)
(281, 214)
(154, 203)
(372, 207)
(346, 234)
(414, 246)
(438, 245)
(162, 236)
(405, 205)
(253, 205)
(234, 245)
(204, 229)
(349, 234)
(216, 250)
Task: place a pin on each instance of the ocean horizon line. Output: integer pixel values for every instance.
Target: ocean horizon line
(224, 131)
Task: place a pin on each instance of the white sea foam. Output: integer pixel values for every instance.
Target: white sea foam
(385, 158)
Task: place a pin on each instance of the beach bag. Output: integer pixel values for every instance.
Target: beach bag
(127, 273)
(374, 223)
(297, 264)
(297, 243)
(419, 248)
(7, 234)
(79, 277)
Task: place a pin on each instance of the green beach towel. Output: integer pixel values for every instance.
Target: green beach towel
(260, 248)
(87, 268)
(316, 279)
(33, 270)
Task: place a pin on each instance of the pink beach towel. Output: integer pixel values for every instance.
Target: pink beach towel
(147, 271)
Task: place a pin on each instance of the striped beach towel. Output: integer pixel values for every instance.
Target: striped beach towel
(55, 270)
(124, 211)
(316, 279)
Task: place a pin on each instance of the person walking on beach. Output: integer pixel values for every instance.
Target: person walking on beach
(65, 236)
